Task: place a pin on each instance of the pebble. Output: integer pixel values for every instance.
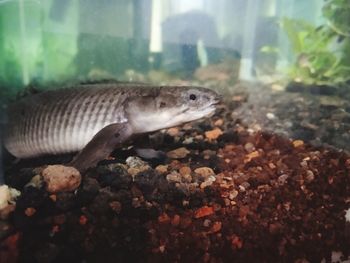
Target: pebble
(203, 212)
(272, 166)
(213, 134)
(282, 179)
(205, 172)
(135, 162)
(270, 116)
(83, 220)
(134, 171)
(176, 220)
(303, 164)
(36, 181)
(199, 137)
(60, 178)
(178, 153)
(210, 180)
(174, 177)
(30, 211)
(163, 218)
(8, 196)
(298, 143)
(233, 194)
(173, 131)
(187, 178)
(309, 176)
(219, 122)
(162, 169)
(249, 147)
(206, 223)
(188, 140)
(216, 227)
(251, 156)
(185, 170)
(187, 127)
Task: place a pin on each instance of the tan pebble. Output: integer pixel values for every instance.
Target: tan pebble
(30, 211)
(272, 166)
(251, 156)
(162, 169)
(298, 143)
(174, 177)
(206, 184)
(233, 194)
(219, 122)
(187, 178)
(175, 164)
(213, 134)
(187, 127)
(249, 147)
(185, 170)
(204, 171)
(310, 176)
(60, 178)
(173, 131)
(134, 171)
(199, 137)
(178, 153)
(8, 196)
(229, 148)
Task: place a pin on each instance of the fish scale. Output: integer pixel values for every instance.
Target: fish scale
(62, 121)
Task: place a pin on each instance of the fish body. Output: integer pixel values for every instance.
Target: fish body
(66, 120)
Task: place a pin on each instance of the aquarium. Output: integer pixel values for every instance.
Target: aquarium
(174, 131)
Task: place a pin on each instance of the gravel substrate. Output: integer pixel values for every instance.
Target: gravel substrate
(222, 192)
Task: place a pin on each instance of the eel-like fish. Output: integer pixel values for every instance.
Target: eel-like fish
(96, 118)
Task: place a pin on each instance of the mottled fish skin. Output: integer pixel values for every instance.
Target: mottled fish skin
(63, 121)
(96, 118)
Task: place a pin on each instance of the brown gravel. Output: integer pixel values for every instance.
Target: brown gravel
(242, 197)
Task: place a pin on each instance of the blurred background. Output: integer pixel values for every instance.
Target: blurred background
(59, 40)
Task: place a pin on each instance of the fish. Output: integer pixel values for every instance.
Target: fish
(95, 119)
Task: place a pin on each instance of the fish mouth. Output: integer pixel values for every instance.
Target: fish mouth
(216, 100)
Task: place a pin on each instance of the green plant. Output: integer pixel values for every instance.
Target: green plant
(322, 54)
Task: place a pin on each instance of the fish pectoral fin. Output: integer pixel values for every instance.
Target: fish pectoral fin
(101, 145)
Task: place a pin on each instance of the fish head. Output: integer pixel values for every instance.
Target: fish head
(171, 106)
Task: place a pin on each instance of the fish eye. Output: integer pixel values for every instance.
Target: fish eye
(193, 97)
